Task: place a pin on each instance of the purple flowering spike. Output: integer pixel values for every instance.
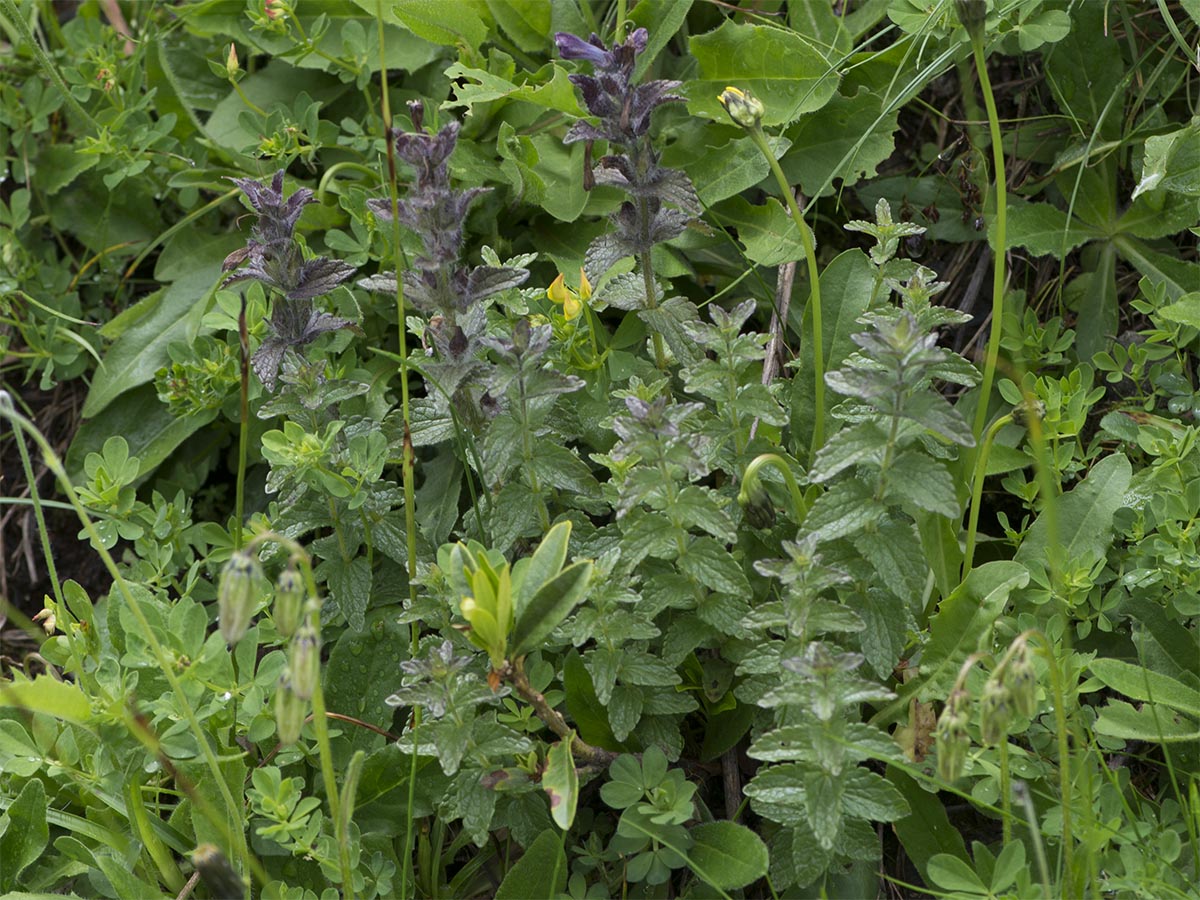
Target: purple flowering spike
(592, 50)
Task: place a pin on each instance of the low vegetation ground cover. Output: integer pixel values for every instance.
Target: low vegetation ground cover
(543, 448)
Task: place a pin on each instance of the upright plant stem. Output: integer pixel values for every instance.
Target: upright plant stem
(810, 258)
(981, 460)
(998, 248)
(243, 429)
(406, 467)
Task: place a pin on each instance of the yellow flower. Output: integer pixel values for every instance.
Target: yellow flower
(569, 300)
(743, 107)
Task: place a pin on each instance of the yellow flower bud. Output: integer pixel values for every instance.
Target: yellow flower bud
(743, 107)
(231, 63)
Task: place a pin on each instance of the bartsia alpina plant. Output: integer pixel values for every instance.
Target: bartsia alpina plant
(447, 291)
(663, 199)
(273, 257)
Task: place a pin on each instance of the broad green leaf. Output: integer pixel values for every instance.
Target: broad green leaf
(846, 139)
(1084, 71)
(171, 314)
(1177, 276)
(361, 671)
(963, 620)
(767, 232)
(713, 567)
(558, 93)
(349, 586)
(823, 800)
(448, 24)
(1084, 516)
(847, 448)
(669, 319)
(1172, 161)
(540, 872)
(926, 831)
(527, 22)
(784, 71)
(731, 855)
(1045, 27)
(845, 509)
(952, 874)
(1148, 723)
(730, 168)
(23, 832)
(1008, 865)
(278, 82)
(1098, 312)
(868, 795)
(1042, 229)
(148, 427)
(847, 290)
(1185, 310)
(548, 607)
(44, 694)
(561, 782)
(924, 482)
(895, 553)
(1140, 683)
(530, 573)
(662, 19)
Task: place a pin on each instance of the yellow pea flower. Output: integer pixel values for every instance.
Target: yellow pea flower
(568, 299)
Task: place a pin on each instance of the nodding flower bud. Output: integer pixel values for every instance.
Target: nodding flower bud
(305, 661)
(951, 739)
(1021, 681)
(756, 503)
(973, 15)
(289, 601)
(995, 711)
(231, 63)
(235, 595)
(1024, 413)
(290, 710)
(743, 107)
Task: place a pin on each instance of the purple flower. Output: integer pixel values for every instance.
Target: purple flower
(593, 50)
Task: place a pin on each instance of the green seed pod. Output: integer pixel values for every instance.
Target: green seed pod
(1021, 681)
(756, 503)
(235, 595)
(290, 710)
(952, 741)
(289, 601)
(304, 662)
(995, 711)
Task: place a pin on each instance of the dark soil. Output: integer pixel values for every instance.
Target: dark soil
(24, 575)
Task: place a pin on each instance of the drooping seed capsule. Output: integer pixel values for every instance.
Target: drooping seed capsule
(756, 503)
(304, 661)
(952, 741)
(290, 710)
(1021, 681)
(995, 711)
(289, 601)
(235, 596)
